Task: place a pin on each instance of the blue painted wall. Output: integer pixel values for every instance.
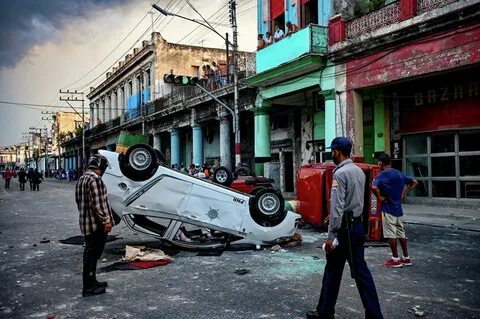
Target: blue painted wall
(133, 106)
(146, 95)
(292, 13)
(283, 51)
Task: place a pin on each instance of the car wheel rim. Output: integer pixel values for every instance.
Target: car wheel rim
(221, 176)
(268, 204)
(140, 159)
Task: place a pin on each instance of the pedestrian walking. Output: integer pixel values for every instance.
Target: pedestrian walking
(30, 178)
(389, 187)
(22, 178)
(346, 237)
(36, 178)
(7, 175)
(96, 221)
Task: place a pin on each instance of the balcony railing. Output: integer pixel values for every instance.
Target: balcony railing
(340, 30)
(312, 39)
(427, 5)
(384, 16)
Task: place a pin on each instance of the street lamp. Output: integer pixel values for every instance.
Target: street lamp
(235, 114)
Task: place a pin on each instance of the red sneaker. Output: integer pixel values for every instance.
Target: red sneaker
(406, 261)
(392, 263)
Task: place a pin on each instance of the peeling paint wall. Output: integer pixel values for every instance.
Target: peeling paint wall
(306, 135)
(185, 60)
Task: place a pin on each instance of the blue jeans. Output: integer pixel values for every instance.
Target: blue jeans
(363, 278)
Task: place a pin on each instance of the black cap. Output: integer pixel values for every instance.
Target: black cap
(98, 161)
(342, 144)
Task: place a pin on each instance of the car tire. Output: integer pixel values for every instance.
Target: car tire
(255, 191)
(222, 176)
(139, 162)
(268, 207)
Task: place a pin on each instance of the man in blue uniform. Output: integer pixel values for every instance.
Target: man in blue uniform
(346, 208)
(390, 190)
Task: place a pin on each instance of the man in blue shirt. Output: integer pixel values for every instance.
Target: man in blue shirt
(389, 187)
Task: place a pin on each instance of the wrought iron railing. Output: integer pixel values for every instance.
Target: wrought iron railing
(427, 5)
(374, 20)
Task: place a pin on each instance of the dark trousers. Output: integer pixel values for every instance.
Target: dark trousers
(334, 270)
(94, 245)
(36, 186)
(31, 185)
(22, 186)
(7, 183)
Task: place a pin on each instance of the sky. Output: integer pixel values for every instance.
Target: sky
(48, 45)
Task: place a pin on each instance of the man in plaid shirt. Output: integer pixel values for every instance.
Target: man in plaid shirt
(96, 221)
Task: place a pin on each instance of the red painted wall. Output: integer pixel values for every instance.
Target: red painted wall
(437, 53)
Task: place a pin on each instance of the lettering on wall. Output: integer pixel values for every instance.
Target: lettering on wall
(446, 93)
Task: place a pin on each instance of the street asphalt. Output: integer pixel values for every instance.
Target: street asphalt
(41, 277)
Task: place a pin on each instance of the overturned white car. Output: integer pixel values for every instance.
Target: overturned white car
(175, 207)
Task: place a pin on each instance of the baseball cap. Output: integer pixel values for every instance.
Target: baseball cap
(342, 144)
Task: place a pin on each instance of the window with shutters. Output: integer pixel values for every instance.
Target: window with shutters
(308, 12)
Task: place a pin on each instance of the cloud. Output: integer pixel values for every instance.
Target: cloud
(25, 23)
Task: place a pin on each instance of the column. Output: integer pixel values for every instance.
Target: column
(175, 147)
(97, 113)
(330, 120)
(225, 150)
(157, 141)
(197, 138)
(262, 135)
(108, 108)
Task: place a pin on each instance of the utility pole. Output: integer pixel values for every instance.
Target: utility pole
(49, 120)
(227, 43)
(233, 20)
(73, 98)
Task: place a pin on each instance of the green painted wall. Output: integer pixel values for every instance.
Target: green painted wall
(379, 124)
(319, 125)
(300, 83)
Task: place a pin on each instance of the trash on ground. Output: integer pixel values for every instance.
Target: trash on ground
(418, 312)
(276, 248)
(44, 240)
(104, 260)
(142, 253)
(242, 271)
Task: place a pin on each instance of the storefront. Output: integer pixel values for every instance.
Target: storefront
(435, 133)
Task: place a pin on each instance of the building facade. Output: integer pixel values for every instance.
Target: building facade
(295, 105)
(142, 96)
(407, 75)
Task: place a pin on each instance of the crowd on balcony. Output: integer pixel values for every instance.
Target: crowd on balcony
(213, 77)
(278, 35)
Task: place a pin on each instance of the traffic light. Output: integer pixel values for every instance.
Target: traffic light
(180, 79)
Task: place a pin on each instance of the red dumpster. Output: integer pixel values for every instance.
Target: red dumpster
(314, 182)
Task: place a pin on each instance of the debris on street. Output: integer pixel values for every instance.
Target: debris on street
(241, 271)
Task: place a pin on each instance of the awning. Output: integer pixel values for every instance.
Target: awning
(277, 7)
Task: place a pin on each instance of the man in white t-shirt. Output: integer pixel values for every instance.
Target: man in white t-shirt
(279, 34)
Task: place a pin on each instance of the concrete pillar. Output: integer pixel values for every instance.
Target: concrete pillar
(97, 117)
(157, 141)
(262, 135)
(197, 138)
(330, 120)
(175, 145)
(225, 150)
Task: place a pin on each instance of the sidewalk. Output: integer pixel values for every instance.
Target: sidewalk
(456, 218)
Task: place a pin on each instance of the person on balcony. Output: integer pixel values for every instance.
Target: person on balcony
(260, 42)
(279, 34)
(216, 75)
(268, 39)
(291, 28)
